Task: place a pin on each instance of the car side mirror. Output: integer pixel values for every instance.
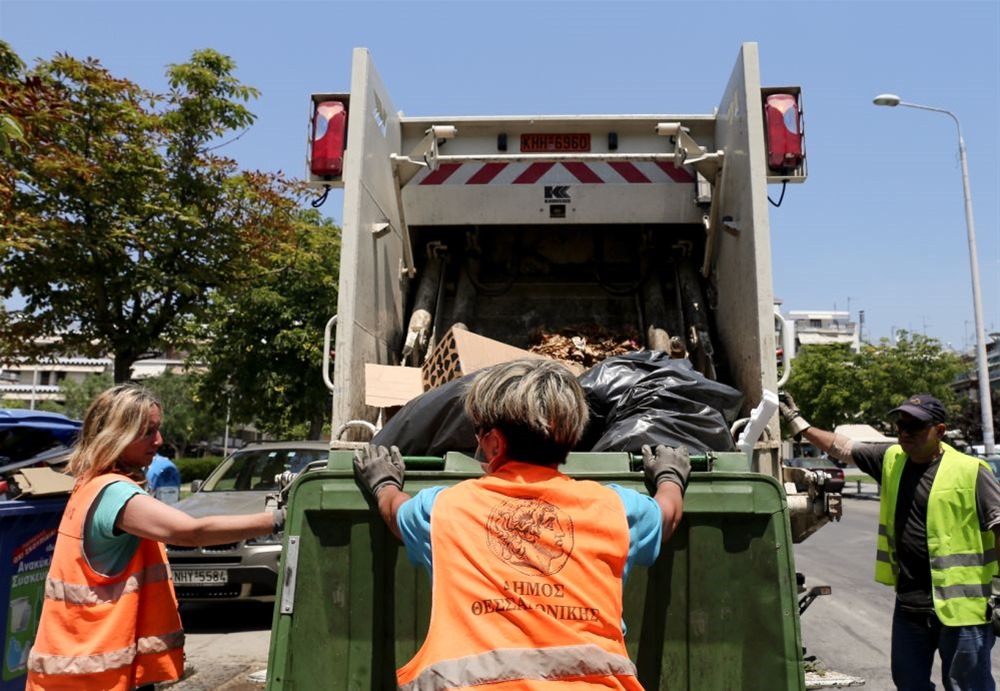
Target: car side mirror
(196, 485)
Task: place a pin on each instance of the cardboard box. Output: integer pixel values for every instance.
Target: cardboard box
(387, 386)
(461, 352)
(43, 482)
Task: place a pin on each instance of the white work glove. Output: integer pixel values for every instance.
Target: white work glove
(278, 521)
(666, 465)
(796, 423)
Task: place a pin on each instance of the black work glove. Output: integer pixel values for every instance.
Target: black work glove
(666, 465)
(378, 467)
(796, 423)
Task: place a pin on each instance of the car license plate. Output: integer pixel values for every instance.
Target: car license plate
(555, 143)
(201, 576)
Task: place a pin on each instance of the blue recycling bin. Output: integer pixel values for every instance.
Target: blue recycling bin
(27, 539)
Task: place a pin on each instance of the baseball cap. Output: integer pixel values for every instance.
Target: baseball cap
(923, 407)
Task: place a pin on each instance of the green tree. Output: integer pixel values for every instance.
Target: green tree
(833, 385)
(826, 384)
(80, 394)
(970, 418)
(913, 364)
(263, 349)
(10, 127)
(121, 218)
(186, 419)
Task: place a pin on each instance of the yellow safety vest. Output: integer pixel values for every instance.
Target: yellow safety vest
(963, 558)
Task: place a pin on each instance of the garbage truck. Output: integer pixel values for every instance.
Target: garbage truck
(503, 225)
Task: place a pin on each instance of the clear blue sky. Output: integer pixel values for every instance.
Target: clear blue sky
(879, 224)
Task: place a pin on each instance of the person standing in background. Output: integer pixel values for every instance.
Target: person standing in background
(163, 480)
(939, 518)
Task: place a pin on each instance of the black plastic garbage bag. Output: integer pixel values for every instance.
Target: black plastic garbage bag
(660, 400)
(606, 382)
(433, 423)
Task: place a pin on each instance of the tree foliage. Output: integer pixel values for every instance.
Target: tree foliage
(186, 419)
(80, 394)
(970, 420)
(121, 218)
(833, 385)
(263, 349)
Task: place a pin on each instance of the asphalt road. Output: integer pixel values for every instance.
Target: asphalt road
(848, 631)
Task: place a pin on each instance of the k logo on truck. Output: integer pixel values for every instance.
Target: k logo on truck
(555, 194)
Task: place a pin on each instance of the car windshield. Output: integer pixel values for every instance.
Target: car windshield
(254, 469)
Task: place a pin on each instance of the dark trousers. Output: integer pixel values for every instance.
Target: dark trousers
(965, 653)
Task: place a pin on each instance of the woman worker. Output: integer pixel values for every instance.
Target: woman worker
(527, 564)
(109, 619)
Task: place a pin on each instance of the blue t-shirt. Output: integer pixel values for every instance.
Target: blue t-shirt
(645, 527)
(108, 550)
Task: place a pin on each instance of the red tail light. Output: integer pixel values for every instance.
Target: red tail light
(784, 132)
(328, 137)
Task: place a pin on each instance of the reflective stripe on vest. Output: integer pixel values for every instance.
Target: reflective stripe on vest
(530, 663)
(963, 558)
(83, 594)
(102, 662)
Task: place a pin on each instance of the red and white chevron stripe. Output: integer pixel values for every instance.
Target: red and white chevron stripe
(566, 173)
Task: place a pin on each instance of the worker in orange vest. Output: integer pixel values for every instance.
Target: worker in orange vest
(110, 620)
(528, 563)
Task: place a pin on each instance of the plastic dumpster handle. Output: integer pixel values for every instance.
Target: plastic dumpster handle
(699, 462)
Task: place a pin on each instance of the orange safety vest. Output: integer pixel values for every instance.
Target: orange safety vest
(105, 632)
(527, 586)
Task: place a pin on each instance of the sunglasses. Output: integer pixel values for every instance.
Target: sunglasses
(912, 427)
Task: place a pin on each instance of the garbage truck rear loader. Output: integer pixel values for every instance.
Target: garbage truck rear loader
(649, 224)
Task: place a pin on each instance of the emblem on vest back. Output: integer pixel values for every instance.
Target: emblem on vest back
(531, 535)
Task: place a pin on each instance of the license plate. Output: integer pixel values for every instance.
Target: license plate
(201, 576)
(554, 143)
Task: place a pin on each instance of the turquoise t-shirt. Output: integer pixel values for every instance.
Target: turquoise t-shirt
(109, 551)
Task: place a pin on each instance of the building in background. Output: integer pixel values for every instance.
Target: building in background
(967, 385)
(817, 327)
(30, 381)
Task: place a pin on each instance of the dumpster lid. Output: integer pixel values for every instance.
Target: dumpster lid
(59, 426)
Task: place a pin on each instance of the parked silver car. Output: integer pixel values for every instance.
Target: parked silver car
(245, 570)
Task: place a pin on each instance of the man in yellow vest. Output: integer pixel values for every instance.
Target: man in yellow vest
(527, 563)
(938, 522)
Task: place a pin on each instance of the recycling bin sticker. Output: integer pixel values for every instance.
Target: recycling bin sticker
(28, 568)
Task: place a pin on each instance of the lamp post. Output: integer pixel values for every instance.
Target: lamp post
(985, 405)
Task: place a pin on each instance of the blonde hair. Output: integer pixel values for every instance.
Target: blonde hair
(537, 404)
(112, 422)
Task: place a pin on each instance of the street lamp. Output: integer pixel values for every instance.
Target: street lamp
(985, 405)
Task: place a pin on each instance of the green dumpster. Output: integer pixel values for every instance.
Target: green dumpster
(717, 611)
